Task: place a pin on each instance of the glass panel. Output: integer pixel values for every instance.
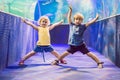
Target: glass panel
(24, 8)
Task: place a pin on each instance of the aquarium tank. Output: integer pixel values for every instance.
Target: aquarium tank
(57, 10)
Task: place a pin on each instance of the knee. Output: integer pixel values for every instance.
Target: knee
(89, 54)
(32, 53)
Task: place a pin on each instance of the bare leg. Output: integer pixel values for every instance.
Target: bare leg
(63, 55)
(26, 57)
(55, 54)
(94, 57)
(60, 58)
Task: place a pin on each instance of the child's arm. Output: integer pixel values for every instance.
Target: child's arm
(55, 24)
(29, 23)
(69, 14)
(92, 21)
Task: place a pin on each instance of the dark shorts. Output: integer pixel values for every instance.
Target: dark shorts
(82, 48)
(43, 49)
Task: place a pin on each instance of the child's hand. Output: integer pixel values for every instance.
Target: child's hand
(23, 20)
(97, 16)
(70, 8)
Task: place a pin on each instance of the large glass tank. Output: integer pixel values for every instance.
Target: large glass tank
(54, 9)
(23, 8)
(58, 9)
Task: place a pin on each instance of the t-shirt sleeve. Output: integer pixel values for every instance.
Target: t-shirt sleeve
(84, 26)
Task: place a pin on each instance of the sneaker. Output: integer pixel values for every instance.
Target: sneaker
(55, 62)
(100, 65)
(63, 61)
(21, 63)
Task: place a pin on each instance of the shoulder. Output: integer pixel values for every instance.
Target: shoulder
(38, 27)
(83, 25)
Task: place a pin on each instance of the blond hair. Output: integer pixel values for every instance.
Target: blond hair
(44, 18)
(78, 15)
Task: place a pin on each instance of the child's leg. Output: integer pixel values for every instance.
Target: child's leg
(55, 54)
(26, 57)
(60, 58)
(94, 57)
(64, 55)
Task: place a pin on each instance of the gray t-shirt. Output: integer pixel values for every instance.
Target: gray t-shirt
(76, 34)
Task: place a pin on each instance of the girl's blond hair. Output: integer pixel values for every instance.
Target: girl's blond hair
(45, 18)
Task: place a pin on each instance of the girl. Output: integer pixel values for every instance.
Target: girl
(43, 43)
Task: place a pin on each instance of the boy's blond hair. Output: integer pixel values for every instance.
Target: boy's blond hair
(45, 18)
(78, 15)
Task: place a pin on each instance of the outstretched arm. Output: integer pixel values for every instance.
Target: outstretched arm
(92, 21)
(69, 14)
(55, 25)
(29, 23)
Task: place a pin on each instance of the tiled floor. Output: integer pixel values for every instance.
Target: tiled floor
(79, 67)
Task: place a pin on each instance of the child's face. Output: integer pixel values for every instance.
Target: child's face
(77, 21)
(44, 22)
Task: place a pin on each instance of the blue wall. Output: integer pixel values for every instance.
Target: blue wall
(16, 39)
(60, 34)
(105, 38)
(118, 41)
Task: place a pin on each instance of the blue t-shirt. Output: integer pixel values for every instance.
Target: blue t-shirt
(76, 34)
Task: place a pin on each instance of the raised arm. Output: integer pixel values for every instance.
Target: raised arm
(55, 25)
(69, 14)
(92, 21)
(29, 23)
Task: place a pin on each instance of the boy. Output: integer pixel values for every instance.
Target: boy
(76, 42)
